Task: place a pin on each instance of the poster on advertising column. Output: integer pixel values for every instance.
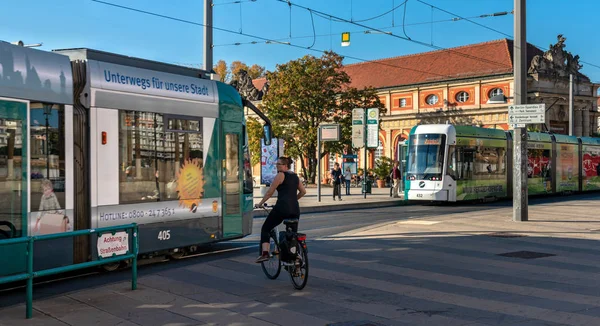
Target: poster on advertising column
(268, 160)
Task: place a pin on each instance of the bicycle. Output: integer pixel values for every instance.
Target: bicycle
(289, 251)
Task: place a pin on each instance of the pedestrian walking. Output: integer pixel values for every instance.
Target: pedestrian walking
(396, 176)
(347, 179)
(336, 177)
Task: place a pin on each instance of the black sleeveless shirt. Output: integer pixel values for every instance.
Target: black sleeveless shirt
(287, 195)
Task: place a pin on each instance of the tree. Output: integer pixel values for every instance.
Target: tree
(307, 92)
(221, 69)
(256, 71)
(227, 73)
(255, 133)
(236, 66)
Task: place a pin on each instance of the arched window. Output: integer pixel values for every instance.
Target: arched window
(462, 97)
(496, 91)
(379, 151)
(432, 99)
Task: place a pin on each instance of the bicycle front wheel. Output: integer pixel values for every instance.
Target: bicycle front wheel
(272, 267)
(299, 272)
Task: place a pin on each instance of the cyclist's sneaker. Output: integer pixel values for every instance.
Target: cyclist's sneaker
(263, 257)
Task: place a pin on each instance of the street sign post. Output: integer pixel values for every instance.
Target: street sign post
(521, 115)
(358, 132)
(373, 128)
(365, 133)
(329, 132)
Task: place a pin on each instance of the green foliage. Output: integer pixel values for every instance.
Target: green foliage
(383, 167)
(254, 129)
(310, 91)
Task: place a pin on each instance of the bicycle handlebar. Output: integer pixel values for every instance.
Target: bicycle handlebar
(264, 206)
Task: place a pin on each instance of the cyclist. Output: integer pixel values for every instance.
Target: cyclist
(289, 190)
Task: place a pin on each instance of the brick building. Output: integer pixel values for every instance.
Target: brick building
(455, 86)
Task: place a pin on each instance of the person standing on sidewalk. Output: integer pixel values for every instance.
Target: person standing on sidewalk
(347, 179)
(396, 176)
(336, 177)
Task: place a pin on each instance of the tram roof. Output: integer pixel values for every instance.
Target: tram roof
(91, 54)
(590, 140)
(536, 136)
(470, 131)
(35, 75)
(565, 139)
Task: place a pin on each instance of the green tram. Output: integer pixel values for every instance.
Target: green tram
(91, 139)
(456, 163)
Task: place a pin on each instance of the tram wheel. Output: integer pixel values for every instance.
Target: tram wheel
(177, 255)
(111, 267)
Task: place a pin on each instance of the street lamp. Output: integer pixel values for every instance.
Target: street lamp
(47, 112)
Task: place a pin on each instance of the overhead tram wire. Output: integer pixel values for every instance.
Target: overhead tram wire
(356, 31)
(467, 19)
(232, 2)
(381, 15)
(493, 29)
(287, 2)
(267, 40)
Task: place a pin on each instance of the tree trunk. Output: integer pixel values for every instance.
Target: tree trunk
(303, 167)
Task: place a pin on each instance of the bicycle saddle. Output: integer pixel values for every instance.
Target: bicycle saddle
(290, 221)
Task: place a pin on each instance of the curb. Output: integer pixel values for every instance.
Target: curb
(342, 207)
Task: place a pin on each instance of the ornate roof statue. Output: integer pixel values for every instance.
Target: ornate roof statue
(243, 84)
(556, 62)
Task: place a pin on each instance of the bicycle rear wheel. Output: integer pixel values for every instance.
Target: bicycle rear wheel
(272, 267)
(299, 273)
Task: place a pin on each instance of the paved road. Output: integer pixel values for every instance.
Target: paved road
(411, 265)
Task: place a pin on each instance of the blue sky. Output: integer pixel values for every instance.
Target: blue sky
(84, 23)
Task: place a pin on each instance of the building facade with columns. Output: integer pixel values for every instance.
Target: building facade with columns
(455, 86)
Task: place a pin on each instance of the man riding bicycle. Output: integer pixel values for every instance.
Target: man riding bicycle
(289, 190)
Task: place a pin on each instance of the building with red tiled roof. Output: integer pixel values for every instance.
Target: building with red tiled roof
(259, 82)
(454, 85)
(487, 59)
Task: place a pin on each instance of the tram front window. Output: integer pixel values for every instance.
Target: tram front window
(426, 156)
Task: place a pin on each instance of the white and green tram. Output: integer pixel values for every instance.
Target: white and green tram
(456, 163)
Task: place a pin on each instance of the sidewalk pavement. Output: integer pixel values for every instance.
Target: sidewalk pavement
(379, 197)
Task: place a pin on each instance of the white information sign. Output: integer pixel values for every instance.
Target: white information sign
(113, 244)
(526, 114)
(330, 132)
(358, 133)
(372, 128)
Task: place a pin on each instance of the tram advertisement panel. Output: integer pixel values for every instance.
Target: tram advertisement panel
(146, 213)
(539, 168)
(480, 168)
(591, 167)
(268, 161)
(567, 169)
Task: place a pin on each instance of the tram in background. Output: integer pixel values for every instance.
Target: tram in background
(456, 163)
(91, 139)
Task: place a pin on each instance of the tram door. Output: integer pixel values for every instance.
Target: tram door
(13, 183)
(232, 179)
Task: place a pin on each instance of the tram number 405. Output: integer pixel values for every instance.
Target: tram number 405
(164, 235)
